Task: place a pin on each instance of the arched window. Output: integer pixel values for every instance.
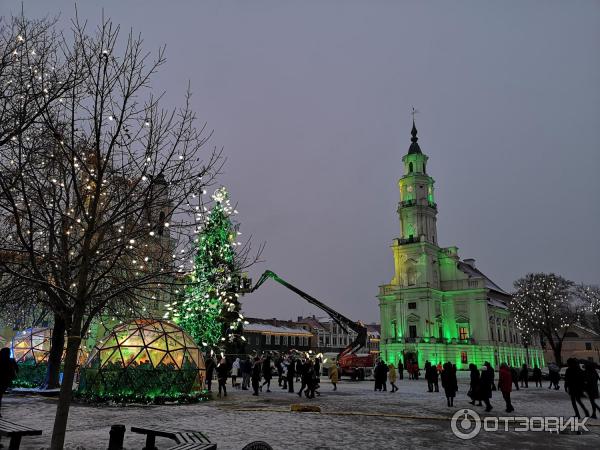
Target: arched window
(424, 168)
(410, 167)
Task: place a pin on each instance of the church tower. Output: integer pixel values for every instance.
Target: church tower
(415, 251)
(417, 208)
(437, 307)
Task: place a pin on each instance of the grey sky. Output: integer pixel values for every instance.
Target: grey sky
(311, 101)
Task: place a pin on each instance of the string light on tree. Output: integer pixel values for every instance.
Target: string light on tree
(210, 308)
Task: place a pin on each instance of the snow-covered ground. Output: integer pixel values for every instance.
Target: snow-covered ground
(354, 417)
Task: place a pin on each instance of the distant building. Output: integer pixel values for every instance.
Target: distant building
(329, 337)
(580, 343)
(270, 335)
(374, 336)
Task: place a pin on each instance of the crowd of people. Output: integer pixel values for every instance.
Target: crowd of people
(257, 371)
(578, 382)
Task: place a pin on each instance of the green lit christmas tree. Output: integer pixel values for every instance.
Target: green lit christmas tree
(209, 310)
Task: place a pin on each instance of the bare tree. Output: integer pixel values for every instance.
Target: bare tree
(543, 305)
(32, 74)
(590, 297)
(99, 203)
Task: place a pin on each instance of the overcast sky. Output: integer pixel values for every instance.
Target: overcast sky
(311, 101)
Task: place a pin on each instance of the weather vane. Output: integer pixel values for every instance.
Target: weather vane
(414, 111)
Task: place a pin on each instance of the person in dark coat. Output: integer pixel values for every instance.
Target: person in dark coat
(449, 382)
(246, 373)
(537, 376)
(256, 370)
(493, 374)
(308, 372)
(524, 376)
(291, 374)
(554, 375)
(514, 374)
(384, 376)
(434, 377)
(380, 374)
(505, 385)
(591, 386)
(485, 386)
(428, 376)
(266, 373)
(299, 369)
(400, 370)
(474, 385)
(222, 373)
(8, 372)
(279, 367)
(210, 369)
(304, 377)
(575, 385)
(377, 375)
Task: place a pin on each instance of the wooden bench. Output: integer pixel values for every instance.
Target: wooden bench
(185, 439)
(16, 432)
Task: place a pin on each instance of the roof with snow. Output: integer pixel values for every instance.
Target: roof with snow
(471, 271)
(275, 329)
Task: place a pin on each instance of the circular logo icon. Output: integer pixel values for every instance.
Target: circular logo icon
(465, 424)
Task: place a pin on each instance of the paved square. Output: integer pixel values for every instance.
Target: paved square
(354, 417)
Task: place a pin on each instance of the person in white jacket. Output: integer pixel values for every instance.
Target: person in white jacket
(235, 372)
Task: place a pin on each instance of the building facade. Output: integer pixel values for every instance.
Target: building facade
(580, 342)
(438, 307)
(329, 337)
(273, 335)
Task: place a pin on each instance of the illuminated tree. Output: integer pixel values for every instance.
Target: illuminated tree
(590, 296)
(542, 306)
(209, 310)
(96, 198)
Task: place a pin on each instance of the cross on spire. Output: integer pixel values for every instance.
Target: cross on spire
(413, 132)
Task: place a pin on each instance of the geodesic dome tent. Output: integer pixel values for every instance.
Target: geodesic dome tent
(145, 357)
(32, 346)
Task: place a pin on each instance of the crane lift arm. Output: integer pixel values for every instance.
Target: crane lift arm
(340, 319)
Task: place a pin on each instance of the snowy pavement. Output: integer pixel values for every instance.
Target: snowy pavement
(354, 417)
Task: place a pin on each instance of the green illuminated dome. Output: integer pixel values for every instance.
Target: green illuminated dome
(145, 357)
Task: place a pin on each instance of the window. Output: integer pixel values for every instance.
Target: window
(410, 167)
(424, 171)
(334, 341)
(272, 340)
(412, 305)
(440, 332)
(588, 345)
(412, 331)
(463, 333)
(284, 340)
(277, 339)
(463, 357)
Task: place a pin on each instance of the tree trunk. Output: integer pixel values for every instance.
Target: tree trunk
(66, 389)
(56, 350)
(557, 350)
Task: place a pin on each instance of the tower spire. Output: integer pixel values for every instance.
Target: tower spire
(414, 147)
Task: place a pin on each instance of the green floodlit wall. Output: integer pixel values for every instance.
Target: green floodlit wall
(476, 354)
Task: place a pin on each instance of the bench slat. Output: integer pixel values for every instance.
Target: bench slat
(14, 429)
